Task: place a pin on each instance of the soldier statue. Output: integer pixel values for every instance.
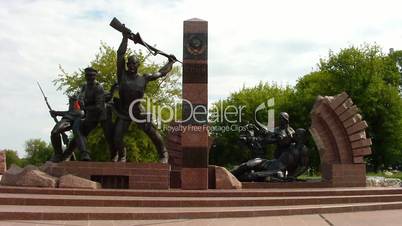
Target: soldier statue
(282, 135)
(70, 120)
(131, 86)
(93, 97)
(290, 157)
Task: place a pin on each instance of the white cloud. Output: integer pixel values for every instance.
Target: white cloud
(248, 42)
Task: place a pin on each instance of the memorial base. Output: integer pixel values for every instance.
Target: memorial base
(115, 174)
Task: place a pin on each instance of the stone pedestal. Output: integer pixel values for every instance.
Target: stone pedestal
(173, 145)
(348, 175)
(194, 138)
(115, 174)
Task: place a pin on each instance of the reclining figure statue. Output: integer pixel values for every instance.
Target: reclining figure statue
(290, 157)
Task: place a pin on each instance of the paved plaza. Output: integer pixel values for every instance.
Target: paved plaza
(371, 218)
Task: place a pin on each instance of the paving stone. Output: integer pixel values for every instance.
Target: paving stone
(370, 218)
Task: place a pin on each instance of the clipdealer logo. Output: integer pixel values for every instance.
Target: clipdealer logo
(231, 114)
(269, 105)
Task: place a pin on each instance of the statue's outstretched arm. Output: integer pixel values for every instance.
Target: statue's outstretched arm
(57, 113)
(120, 56)
(163, 71)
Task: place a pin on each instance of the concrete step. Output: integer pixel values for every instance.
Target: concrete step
(16, 212)
(138, 201)
(294, 192)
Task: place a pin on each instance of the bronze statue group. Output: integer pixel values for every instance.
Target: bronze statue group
(92, 106)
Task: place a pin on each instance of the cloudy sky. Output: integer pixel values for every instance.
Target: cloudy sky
(249, 41)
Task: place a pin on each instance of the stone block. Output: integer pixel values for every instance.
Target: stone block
(195, 25)
(175, 179)
(225, 180)
(349, 113)
(194, 135)
(10, 177)
(343, 107)
(194, 178)
(195, 73)
(71, 181)
(37, 178)
(350, 122)
(30, 176)
(196, 93)
(195, 40)
(357, 136)
(361, 143)
(358, 159)
(195, 157)
(360, 126)
(338, 100)
(361, 151)
(173, 145)
(194, 114)
(348, 175)
(211, 177)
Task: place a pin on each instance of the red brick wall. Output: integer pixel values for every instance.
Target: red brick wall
(2, 162)
(140, 175)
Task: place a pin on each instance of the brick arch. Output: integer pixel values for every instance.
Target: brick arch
(339, 133)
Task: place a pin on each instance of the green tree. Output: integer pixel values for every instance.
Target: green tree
(396, 56)
(38, 151)
(164, 92)
(372, 80)
(12, 158)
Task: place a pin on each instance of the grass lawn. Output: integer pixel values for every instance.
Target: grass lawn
(306, 177)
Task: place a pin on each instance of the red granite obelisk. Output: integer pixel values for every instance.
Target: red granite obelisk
(194, 140)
